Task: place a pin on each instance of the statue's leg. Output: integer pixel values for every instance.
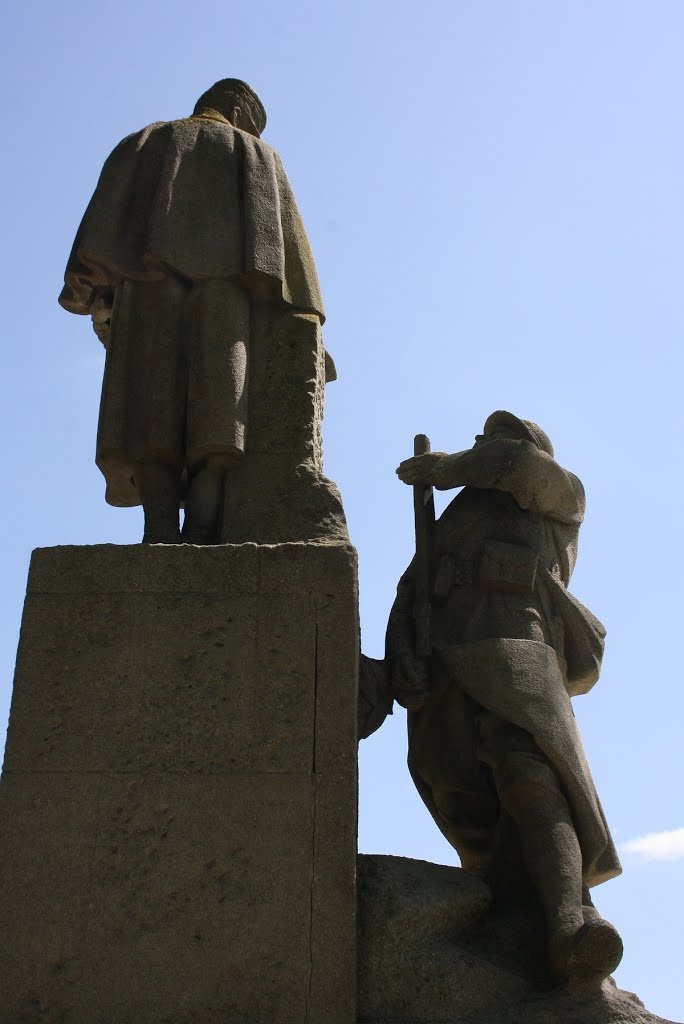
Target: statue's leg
(217, 371)
(203, 501)
(216, 400)
(142, 411)
(530, 791)
(159, 487)
(446, 770)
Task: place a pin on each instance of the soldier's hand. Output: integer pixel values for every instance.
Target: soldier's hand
(409, 681)
(412, 700)
(421, 469)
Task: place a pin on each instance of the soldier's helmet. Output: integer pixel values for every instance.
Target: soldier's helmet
(524, 429)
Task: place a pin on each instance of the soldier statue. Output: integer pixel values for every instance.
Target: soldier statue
(492, 735)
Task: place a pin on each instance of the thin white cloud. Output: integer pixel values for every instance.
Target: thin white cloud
(657, 845)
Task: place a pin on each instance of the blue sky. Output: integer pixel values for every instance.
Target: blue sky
(493, 191)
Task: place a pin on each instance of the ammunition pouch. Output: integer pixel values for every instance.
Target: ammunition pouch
(508, 567)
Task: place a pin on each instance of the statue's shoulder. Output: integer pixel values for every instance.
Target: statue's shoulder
(252, 142)
(182, 132)
(137, 138)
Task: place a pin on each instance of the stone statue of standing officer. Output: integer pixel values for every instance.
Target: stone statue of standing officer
(192, 227)
(492, 735)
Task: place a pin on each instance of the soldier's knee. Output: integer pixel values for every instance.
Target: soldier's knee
(527, 778)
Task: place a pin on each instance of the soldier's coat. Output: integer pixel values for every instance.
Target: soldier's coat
(503, 650)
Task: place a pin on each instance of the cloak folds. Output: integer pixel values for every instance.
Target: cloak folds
(200, 198)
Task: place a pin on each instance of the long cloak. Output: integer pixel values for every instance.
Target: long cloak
(203, 199)
(200, 208)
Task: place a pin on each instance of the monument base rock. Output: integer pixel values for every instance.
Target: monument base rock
(432, 951)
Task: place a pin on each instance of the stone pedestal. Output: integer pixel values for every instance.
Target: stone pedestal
(179, 794)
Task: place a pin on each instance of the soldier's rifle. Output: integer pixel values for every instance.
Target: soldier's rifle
(424, 516)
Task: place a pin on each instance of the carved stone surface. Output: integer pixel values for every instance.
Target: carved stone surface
(431, 952)
(194, 265)
(279, 493)
(179, 792)
(485, 647)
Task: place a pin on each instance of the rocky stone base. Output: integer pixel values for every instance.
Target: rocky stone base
(433, 951)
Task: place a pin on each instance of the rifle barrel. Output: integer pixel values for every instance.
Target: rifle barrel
(424, 516)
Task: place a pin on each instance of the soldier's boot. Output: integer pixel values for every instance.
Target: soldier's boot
(583, 948)
(585, 955)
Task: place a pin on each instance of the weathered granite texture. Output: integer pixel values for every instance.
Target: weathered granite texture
(179, 792)
(432, 952)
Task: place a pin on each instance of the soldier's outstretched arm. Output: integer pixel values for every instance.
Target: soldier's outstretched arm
(533, 478)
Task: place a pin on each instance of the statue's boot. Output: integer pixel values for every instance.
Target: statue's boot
(203, 504)
(159, 486)
(586, 955)
(160, 532)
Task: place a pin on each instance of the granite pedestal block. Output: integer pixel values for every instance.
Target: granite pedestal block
(179, 792)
